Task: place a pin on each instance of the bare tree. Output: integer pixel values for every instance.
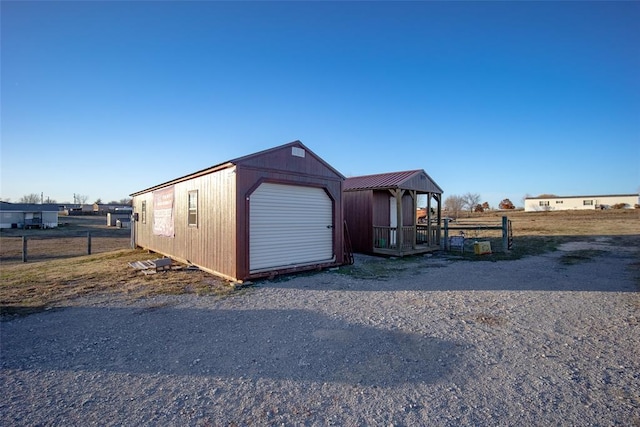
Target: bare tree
(124, 202)
(80, 199)
(470, 201)
(30, 198)
(453, 205)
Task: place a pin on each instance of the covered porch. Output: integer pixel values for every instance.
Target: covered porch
(381, 212)
(409, 238)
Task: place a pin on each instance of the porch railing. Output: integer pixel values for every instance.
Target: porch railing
(427, 234)
(385, 237)
(408, 237)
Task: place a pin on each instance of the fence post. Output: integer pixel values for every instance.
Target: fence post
(505, 235)
(133, 230)
(88, 243)
(446, 234)
(24, 248)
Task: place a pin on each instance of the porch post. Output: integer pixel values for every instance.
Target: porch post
(439, 200)
(397, 193)
(414, 221)
(429, 195)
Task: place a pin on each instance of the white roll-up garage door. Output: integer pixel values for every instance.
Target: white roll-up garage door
(289, 226)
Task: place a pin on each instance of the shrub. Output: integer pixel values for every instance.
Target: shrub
(506, 204)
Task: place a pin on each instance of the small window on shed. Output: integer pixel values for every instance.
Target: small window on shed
(587, 202)
(144, 212)
(193, 208)
(544, 203)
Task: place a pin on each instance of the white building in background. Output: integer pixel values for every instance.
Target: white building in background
(28, 215)
(564, 203)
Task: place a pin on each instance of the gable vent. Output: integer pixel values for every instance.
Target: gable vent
(297, 152)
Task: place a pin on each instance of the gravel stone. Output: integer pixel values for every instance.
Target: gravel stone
(387, 342)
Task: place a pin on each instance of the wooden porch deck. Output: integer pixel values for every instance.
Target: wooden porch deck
(419, 249)
(413, 240)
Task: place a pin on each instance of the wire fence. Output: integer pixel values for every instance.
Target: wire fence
(478, 237)
(40, 248)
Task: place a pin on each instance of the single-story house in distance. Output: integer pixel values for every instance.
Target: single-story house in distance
(272, 212)
(563, 203)
(104, 208)
(380, 212)
(28, 215)
(79, 209)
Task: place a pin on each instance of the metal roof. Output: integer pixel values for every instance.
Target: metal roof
(391, 180)
(29, 207)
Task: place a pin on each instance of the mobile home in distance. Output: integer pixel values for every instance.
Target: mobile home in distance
(564, 203)
(272, 212)
(28, 215)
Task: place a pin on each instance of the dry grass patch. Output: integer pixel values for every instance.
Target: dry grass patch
(612, 222)
(58, 276)
(69, 240)
(56, 282)
(540, 232)
(579, 257)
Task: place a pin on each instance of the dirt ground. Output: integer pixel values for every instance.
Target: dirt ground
(443, 340)
(58, 268)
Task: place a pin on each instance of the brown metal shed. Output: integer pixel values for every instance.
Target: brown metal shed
(272, 212)
(380, 212)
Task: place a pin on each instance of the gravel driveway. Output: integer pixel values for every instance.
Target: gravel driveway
(545, 340)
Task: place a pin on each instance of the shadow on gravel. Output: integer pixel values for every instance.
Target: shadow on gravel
(274, 344)
(577, 270)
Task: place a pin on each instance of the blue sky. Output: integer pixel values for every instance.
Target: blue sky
(501, 99)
